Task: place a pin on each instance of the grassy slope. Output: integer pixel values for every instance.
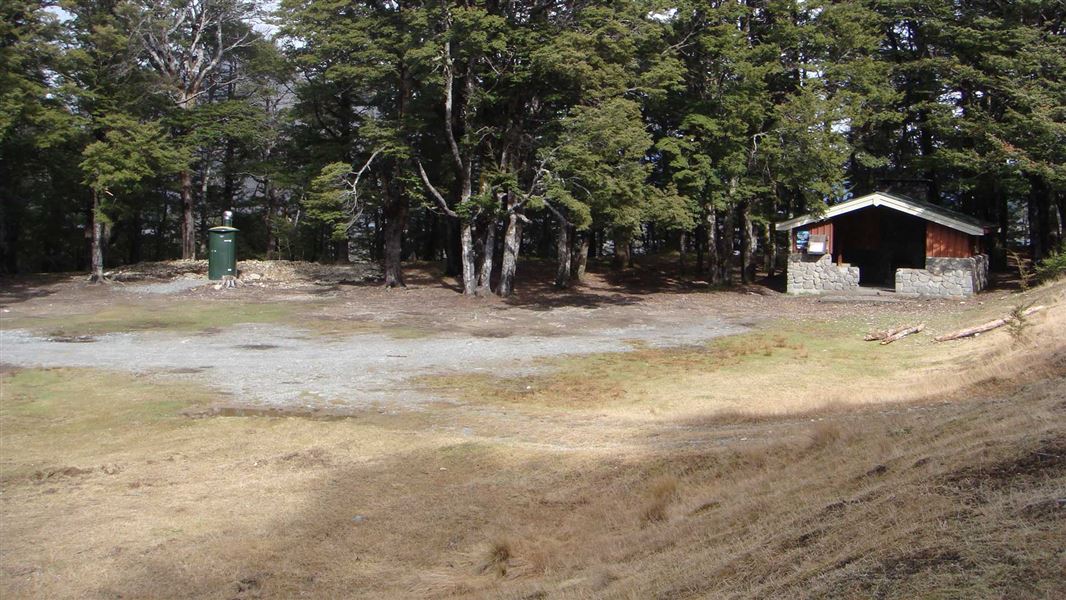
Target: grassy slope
(782, 367)
(108, 490)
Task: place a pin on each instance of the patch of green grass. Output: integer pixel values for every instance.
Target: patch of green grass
(179, 316)
(198, 315)
(65, 414)
(767, 362)
(70, 401)
(462, 450)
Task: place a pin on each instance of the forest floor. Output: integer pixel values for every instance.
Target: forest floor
(645, 435)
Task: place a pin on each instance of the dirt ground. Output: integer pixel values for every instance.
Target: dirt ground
(311, 434)
(324, 339)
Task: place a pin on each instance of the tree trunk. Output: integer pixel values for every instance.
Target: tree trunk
(545, 238)
(97, 252)
(725, 250)
(710, 232)
(136, 226)
(395, 222)
(621, 250)
(377, 248)
(1038, 213)
(562, 254)
(747, 241)
(682, 241)
(1003, 214)
(581, 258)
(453, 245)
(1060, 211)
(701, 237)
(205, 177)
(770, 249)
(430, 234)
(512, 244)
(268, 220)
(188, 222)
(340, 251)
(161, 229)
(488, 248)
(466, 243)
(10, 232)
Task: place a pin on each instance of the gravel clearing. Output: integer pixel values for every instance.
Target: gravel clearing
(169, 287)
(280, 367)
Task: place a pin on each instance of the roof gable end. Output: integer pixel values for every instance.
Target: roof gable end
(924, 210)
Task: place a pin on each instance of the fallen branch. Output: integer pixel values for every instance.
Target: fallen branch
(880, 335)
(989, 326)
(902, 333)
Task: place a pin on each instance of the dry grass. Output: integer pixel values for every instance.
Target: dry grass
(663, 492)
(721, 492)
(782, 368)
(823, 436)
(496, 560)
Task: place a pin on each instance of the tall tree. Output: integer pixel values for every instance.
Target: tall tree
(186, 42)
(42, 200)
(358, 66)
(114, 165)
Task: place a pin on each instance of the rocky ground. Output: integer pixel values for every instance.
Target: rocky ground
(277, 273)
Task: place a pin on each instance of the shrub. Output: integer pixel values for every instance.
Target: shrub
(1053, 266)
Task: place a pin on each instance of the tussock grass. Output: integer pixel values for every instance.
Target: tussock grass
(662, 493)
(497, 557)
(823, 435)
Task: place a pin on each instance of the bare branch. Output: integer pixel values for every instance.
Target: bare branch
(441, 203)
(352, 205)
(365, 167)
(185, 42)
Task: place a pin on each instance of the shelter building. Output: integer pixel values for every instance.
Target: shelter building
(887, 241)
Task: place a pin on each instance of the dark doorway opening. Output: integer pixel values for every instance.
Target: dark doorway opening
(879, 240)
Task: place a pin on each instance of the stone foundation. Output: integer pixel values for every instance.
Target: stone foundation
(814, 275)
(942, 277)
(945, 277)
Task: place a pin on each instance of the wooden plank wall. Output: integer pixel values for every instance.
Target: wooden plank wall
(825, 229)
(948, 242)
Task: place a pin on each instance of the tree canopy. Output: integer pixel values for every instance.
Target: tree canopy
(476, 131)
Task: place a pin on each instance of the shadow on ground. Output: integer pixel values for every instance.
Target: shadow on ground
(22, 288)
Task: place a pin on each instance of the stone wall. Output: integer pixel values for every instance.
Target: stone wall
(942, 277)
(976, 265)
(814, 275)
(945, 277)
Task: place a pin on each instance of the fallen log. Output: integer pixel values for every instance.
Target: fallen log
(989, 326)
(902, 333)
(877, 336)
